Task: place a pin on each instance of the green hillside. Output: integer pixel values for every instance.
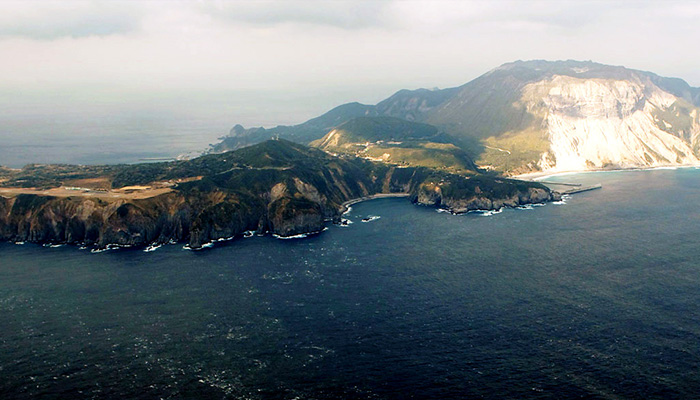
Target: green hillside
(486, 119)
(396, 141)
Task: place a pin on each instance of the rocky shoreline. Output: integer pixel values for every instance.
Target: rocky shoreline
(171, 218)
(276, 187)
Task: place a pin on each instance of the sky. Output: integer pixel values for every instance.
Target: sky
(283, 62)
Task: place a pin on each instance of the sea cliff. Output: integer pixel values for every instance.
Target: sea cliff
(276, 187)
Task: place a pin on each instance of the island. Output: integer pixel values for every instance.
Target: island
(277, 187)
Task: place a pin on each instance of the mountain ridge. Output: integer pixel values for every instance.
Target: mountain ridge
(519, 117)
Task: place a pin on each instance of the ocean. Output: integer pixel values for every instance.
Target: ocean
(596, 298)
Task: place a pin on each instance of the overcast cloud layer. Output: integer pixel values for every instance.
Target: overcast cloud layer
(283, 62)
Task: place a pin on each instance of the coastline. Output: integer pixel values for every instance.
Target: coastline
(536, 176)
(346, 205)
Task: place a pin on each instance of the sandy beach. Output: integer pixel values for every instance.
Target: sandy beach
(536, 176)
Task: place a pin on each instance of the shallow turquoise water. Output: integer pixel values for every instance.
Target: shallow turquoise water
(597, 298)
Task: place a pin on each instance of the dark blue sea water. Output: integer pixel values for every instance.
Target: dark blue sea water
(596, 298)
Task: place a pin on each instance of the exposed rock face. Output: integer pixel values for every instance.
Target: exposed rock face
(596, 123)
(540, 115)
(170, 217)
(474, 198)
(292, 190)
(199, 219)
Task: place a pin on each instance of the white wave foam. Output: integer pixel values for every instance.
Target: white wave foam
(299, 236)
(153, 247)
(344, 223)
(371, 218)
(111, 247)
(492, 212)
(563, 200)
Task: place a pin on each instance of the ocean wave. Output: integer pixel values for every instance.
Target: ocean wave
(344, 223)
(299, 236)
(530, 206)
(153, 247)
(563, 200)
(204, 246)
(110, 247)
(371, 218)
(492, 212)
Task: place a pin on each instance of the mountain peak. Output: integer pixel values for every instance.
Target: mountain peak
(532, 114)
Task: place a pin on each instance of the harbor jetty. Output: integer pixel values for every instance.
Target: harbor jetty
(580, 189)
(575, 187)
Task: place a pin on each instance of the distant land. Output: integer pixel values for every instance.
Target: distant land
(277, 187)
(522, 117)
(450, 148)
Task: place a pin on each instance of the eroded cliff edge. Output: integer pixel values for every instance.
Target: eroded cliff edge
(276, 187)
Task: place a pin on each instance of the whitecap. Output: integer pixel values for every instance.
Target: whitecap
(563, 200)
(344, 223)
(371, 218)
(204, 246)
(153, 247)
(110, 247)
(492, 212)
(299, 236)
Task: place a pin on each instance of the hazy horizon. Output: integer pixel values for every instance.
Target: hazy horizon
(131, 69)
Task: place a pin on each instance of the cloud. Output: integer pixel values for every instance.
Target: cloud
(340, 14)
(46, 20)
(402, 15)
(326, 52)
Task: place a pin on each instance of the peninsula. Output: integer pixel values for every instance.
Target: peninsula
(276, 186)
